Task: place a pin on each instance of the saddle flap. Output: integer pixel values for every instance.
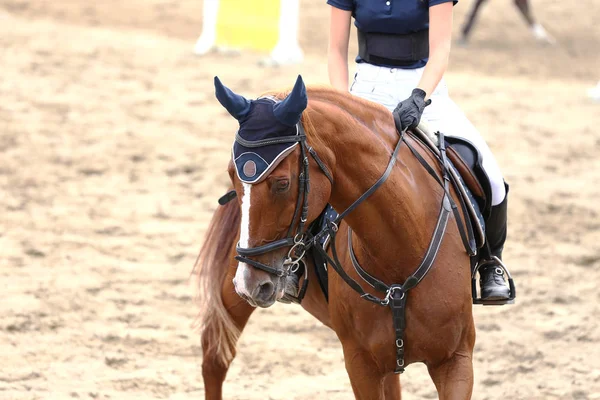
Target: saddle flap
(465, 172)
(473, 202)
(466, 159)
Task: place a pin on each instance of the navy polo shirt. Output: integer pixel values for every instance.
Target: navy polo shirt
(390, 16)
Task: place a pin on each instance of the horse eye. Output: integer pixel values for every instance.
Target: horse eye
(282, 185)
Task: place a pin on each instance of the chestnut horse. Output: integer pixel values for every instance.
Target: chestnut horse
(524, 8)
(350, 143)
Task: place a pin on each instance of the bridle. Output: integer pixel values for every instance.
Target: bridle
(296, 239)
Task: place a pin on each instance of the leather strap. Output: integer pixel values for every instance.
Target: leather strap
(398, 306)
(227, 197)
(376, 185)
(259, 265)
(467, 236)
(370, 279)
(321, 164)
(255, 251)
(267, 142)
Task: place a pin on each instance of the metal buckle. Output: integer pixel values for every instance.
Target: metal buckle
(388, 295)
(291, 263)
(334, 226)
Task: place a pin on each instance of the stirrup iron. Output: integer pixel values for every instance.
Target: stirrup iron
(495, 261)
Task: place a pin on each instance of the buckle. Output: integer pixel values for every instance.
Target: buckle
(389, 293)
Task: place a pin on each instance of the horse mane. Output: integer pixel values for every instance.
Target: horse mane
(327, 101)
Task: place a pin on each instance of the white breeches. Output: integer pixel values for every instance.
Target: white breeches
(389, 86)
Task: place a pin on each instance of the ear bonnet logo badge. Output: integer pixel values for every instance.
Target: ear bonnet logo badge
(249, 168)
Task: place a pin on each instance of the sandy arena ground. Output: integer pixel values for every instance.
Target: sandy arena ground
(113, 153)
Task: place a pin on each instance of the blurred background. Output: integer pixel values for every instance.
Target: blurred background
(113, 152)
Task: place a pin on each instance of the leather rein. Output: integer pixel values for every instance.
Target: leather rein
(300, 240)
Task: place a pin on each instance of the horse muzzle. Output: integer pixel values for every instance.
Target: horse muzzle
(258, 288)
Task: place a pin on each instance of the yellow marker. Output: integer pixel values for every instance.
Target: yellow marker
(260, 25)
(245, 24)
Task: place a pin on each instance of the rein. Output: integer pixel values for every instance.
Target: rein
(301, 240)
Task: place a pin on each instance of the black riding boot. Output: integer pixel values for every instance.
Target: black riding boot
(493, 286)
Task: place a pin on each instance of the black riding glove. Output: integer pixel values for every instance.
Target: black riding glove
(410, 110)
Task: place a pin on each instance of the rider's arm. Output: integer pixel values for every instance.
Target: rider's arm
(337, 59)
(440, 38)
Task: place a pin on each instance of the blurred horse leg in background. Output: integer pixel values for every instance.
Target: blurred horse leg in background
(523, 6)
(537, 29)
(466, 29)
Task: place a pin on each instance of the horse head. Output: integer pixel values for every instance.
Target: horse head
(275, 183)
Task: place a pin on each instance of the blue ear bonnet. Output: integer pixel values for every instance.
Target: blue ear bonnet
(256, 150)
(253, 164)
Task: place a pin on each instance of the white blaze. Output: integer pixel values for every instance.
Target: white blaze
(243, 268)
(245, 228)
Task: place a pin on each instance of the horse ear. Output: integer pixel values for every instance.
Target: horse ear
(238, 106)
(289, 111)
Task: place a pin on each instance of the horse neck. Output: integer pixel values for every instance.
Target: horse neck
(396, 222)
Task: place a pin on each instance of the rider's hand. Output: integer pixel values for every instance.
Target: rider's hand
(410, 110)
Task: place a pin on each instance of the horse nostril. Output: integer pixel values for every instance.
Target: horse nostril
(265, 291)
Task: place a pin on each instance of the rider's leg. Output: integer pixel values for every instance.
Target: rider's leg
(492, 278)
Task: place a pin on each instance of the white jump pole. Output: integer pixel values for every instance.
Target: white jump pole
(594, 93)
(287, 50)
(206, 41)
